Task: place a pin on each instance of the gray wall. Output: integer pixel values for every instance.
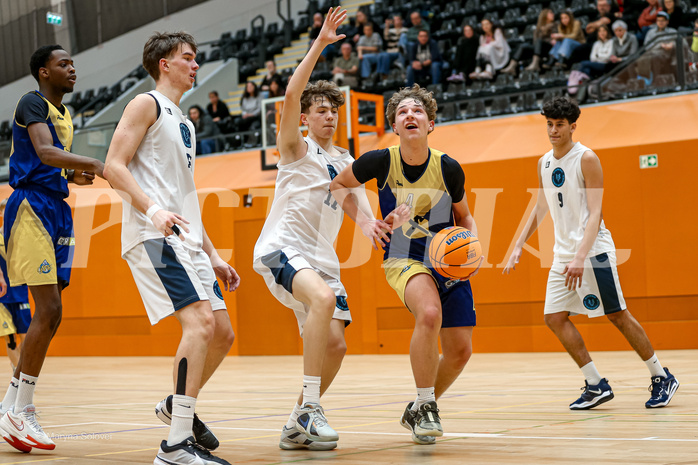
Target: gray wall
(108, 62)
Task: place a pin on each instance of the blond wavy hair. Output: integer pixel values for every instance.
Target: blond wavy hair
(419, 94)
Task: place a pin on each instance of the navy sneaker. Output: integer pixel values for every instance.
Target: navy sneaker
(593, 395)
(662, 389)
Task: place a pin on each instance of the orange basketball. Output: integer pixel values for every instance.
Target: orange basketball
(455, 252)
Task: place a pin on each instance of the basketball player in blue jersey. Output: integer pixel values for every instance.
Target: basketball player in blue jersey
(38, 227)
(432, 185)
(583, 278)
(15, 315)
(174, 264)
(295, 251)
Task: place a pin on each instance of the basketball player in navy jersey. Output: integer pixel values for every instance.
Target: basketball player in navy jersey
(432, 185)
(584, 276)
(38, 227)
(174, 264)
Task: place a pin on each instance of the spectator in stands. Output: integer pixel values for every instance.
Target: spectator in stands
(271, 75)
(539, 48)
(694, 42)
(359, 25)
(418, 24)
(648, 18)
(205, 130)
(661, 28)
(493, 52)
(607, 11)
(345, 69)
(217, 110)
(327, 52)
(425, 60)
(277, 88)
(367, 49)
(466, 55)
(251, 106)
(676, 16)
(601, 53)
(393, 30)
(624, 44)
(568, 37)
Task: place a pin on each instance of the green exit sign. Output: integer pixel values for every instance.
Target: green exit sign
(54, 18)
(649, 161)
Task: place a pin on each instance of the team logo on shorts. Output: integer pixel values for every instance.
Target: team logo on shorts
(217, 290)
(186, 135)
(451, 282)
(558, 177)
(5, 325)
(591, 302)
(332, 171)
(44, 268)
(342, 303)
(405, 269)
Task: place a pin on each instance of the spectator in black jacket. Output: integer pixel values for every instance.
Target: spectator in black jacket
(424, 60)
(466, 55)
(217, 110)
(205, 129)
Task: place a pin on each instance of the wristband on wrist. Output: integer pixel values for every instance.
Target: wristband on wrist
(153, 210)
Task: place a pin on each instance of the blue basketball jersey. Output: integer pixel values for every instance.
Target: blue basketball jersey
(26, 169)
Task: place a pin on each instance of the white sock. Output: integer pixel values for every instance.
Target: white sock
(291, 423)
(656, 368)
(11, 394)
(25, 392)
(182, 419)
(424, 395)
(311, 389)
(591, 374)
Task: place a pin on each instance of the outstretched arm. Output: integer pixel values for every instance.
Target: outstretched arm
(537, 215)
(289, 140)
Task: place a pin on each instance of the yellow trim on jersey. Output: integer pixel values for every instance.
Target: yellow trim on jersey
(30, 252)
(398, 272)
(422, 195)
(7, 326)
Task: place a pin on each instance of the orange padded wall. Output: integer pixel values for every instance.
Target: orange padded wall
(650, 212)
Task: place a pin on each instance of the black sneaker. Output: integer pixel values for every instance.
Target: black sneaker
(408, 421)
(203, 435)
(593, 395)
(427, 420)
(186, 452)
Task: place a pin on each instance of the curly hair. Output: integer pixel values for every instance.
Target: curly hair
(561, 108)
(315, 91)
(162, 45)
(419, 94)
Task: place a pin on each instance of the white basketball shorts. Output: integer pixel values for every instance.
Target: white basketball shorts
(599, 294)
(170, 276)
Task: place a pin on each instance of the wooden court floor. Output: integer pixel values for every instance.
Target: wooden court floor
(504, 409)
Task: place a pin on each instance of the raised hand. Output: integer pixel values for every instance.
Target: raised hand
(335, 17)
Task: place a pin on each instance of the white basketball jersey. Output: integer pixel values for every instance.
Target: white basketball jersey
(565, 192)
(163, 167)
(304, 215)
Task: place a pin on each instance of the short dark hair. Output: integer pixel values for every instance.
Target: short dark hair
(161, 45)
(40, 57)
(198, 108)
(561, 108)
(213, 92)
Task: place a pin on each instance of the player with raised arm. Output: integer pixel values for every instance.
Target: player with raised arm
(38, 227)
(174, 264)
(295, 252)
(432, 186)
(583, 278)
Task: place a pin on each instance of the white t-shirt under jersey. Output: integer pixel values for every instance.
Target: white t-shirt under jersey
(304, 215)
(163, 167)
(565, 192)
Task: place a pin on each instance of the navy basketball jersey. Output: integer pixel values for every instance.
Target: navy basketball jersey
(26, 169)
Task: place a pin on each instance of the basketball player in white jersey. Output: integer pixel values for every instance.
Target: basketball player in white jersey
(584, 277)
(151, 164)
(295, 252)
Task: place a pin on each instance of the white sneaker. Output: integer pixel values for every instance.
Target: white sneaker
(294, 439)
(186, 452)
(23, 430)
(312, 422)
